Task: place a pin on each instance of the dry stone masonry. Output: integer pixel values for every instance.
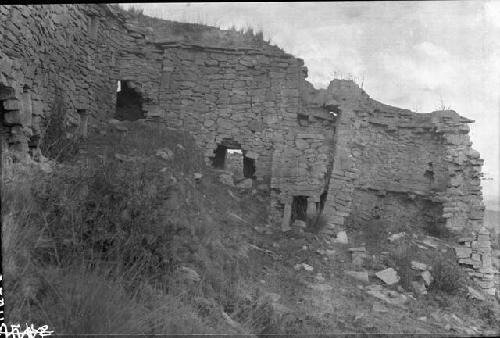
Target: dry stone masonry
(333, 151)
(474, 253)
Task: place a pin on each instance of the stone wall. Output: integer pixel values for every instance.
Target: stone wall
(396, 211)
(474, 253)
(386, 150)
(50, 52)
(336, 148)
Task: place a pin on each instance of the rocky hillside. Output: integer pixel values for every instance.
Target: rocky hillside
(130, 232)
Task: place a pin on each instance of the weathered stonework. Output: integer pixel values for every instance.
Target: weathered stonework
(474, 253)
(334, 150)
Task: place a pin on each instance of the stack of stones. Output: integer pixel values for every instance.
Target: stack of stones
(475, 254)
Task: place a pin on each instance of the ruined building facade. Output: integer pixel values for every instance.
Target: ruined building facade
(334, 150)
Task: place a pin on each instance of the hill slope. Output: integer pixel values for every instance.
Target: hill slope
(135, 240)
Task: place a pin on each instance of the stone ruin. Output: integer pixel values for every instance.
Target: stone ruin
(334, 151)
(474, 253)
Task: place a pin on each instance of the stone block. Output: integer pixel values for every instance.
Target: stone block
(427, 277)
(418, 288)
(361, 276)
(463, 252)
(12, 104)
(13, 117)
(388, 276)
(418, 266)
(342, 237)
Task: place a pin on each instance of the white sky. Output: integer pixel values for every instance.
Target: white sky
(410, 54)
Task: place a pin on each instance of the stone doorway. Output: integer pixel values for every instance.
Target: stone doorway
(299, 208)
(229, 156)
(128, 102)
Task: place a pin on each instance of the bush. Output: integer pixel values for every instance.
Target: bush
(447, 276)
(375, 233)
(402, 257)
(316, 223)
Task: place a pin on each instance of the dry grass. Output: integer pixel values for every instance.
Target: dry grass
(316, 223)
(448, 276)
(80, 241)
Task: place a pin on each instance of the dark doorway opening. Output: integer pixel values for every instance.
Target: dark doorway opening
(128, 103)
(219, 160)
(299, 208)
(322, 200)
(229, 155)
(248, 167)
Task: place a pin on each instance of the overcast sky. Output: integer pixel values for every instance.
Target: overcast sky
(411, 54)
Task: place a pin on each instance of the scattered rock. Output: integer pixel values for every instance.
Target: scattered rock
(395, 237)
(475, 294)
(245, 184)
(262, 230)
(419, 266)
(419, 288)
(342, 237)
(231, 321)
(299, 224)
(360, 249)
(189, 274)
(426, 276)
(436, 316)
(330, 252)
(304, 266)
(388, 276)
(272, 296)
(319, 277)
(430, 243)
(226, 179)
(389, 296)
(377, 307)
(358, 315)
(358, 275)
(165, 154)
(121, 128)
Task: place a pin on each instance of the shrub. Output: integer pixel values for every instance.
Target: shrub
(447, 276)
(135, 11)
(375, 233)
(316, 223)
(402, 257)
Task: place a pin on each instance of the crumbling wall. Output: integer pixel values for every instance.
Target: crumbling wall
(49, 51)
(474, 253)
(396, 211)
(386, 150)
(335, 148)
